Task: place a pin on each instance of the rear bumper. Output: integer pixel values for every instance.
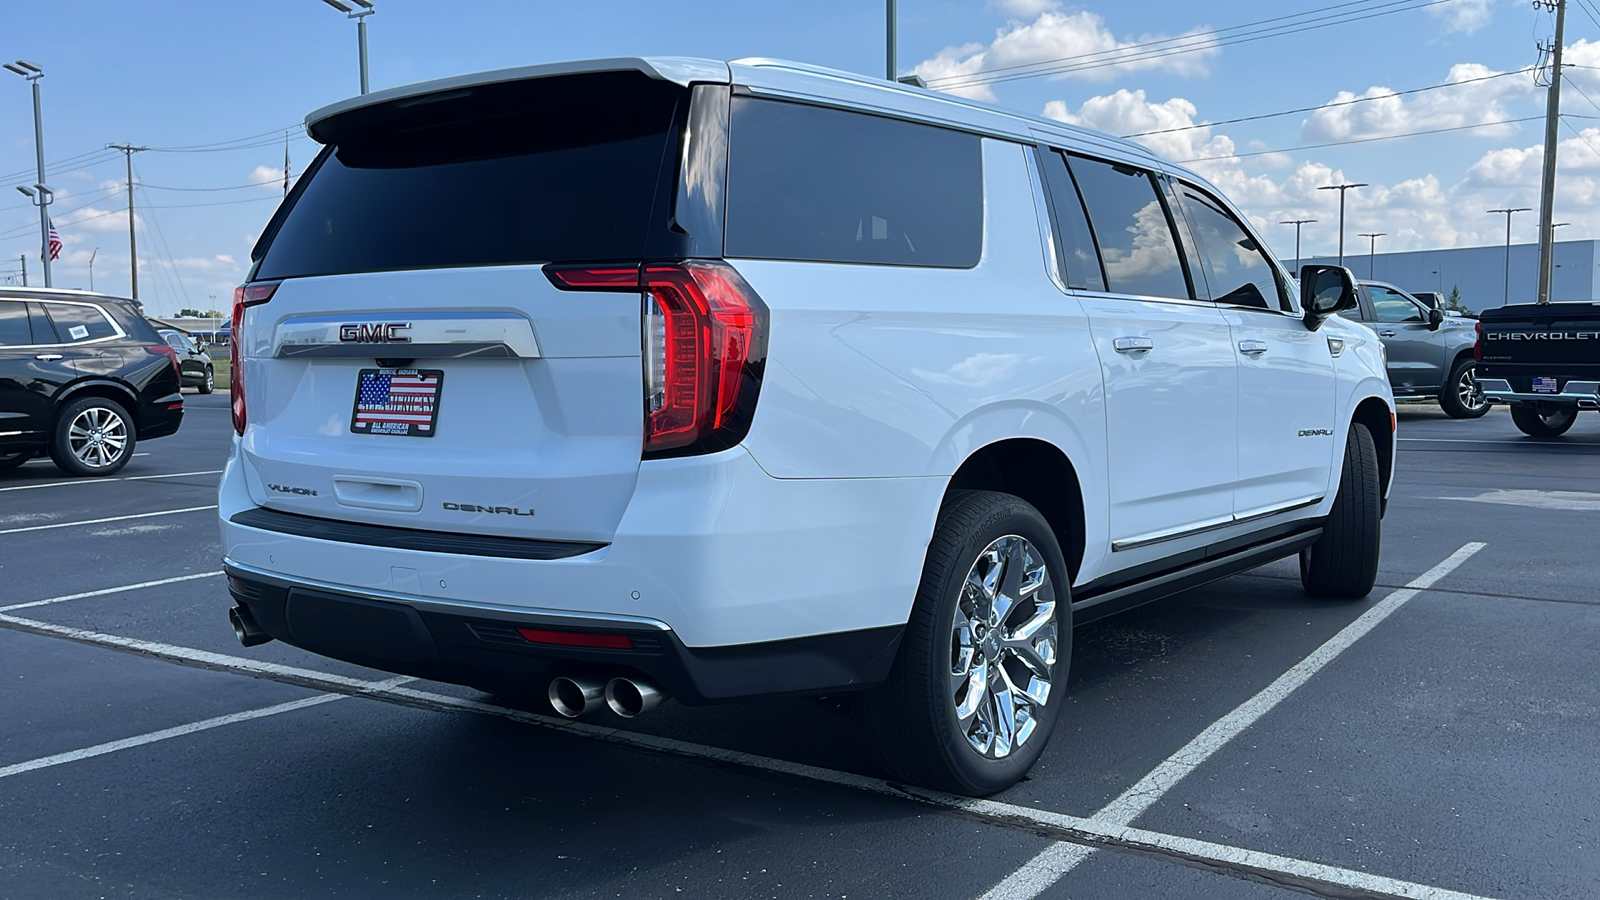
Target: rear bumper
(480, 645)
(157, 419)
(1582, 394)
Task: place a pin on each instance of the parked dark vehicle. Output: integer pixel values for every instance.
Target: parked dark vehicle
(1429, 353)
(194, 363)
(1544, 360)
(83, 378)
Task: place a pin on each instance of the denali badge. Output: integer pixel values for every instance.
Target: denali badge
(287, 489)
(473, 508)
(375, 333)
(1315, 432)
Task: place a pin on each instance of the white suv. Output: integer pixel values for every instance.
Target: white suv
(636, 378)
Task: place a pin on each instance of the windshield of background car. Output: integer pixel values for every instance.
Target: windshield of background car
(524, 172)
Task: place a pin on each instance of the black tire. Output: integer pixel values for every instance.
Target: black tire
(912, 718)
(208, 383)
(15, 459)
(1462, 397)
(1343, 563)
(1542, 424)
(81, 461)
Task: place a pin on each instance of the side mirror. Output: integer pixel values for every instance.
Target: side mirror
(1435, 318)
(1325, 290)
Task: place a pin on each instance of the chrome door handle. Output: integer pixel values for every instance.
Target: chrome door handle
(1386, 334)
(48, 357)
(1252, 347)
(1133, 344)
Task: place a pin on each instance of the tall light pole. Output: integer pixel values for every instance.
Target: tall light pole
(33, 73)
(1341, 188)
(1509, 213)
(1372, 249)
(359, 11)
(1547, 185)
(891, 64)
(1297, 223)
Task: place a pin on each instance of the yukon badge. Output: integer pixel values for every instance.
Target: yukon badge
(374, 333)
(289, 489)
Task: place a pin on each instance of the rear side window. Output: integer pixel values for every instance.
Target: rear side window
(43, 331)
(824, 185)
(536, 171)
(14, 324)
(1236, 266)
(1131, 225)
(76, 323)
(1080, 259)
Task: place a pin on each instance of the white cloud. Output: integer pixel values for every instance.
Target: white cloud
(1076, 39)
(1465, 16)
(1128, 112)
(1386, 113)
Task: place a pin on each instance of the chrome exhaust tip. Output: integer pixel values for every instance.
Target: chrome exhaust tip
(573, 696)
(245, 627)
(628, 697)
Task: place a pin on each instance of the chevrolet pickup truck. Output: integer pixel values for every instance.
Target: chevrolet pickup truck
(1542, 359)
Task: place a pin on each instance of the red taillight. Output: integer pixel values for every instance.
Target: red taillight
(705, 342)
(244, 295)
(577, 639)
(1477, 346)
(172, 357)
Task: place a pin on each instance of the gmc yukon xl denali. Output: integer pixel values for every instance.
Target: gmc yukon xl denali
(640, 378)
(1544, 360)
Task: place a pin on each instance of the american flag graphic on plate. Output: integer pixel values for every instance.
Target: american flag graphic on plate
(397, 401)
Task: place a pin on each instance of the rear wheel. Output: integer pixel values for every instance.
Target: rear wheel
(1462, 396)
(1343, 563)
(209, 383)
(1546, 422)
(977, 687)
(93, 436)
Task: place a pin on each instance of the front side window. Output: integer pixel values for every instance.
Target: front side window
(825, 185)
(175, 341)
(1393, 306)
(1132, 228)
(1237, 269)
(14, 324)
(76, 323)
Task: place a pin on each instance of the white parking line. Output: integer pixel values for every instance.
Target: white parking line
(1046, 868)
(104, 591)
(45, 484)
(45, 762)
(164, 512)
(1268, 866)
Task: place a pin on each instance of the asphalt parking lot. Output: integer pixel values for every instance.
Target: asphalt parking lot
(1240, 740)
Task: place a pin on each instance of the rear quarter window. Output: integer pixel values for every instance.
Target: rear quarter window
(76, 323)
(825, 185)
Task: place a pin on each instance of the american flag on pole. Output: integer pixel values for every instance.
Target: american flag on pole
(54, 242)
(397, 401)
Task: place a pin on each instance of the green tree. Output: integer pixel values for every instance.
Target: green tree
(1453, 303)
(187, 313)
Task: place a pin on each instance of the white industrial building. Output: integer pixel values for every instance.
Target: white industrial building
(1480, 272)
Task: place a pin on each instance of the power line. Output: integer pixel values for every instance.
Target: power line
(1333, 105)
(1384, 137)
(232, 187)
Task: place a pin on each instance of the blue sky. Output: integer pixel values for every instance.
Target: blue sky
(187, 74)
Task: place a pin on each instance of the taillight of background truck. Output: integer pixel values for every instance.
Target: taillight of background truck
(245, 295)
(704, 342)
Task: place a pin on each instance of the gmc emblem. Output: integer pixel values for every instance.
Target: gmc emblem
(374, 333)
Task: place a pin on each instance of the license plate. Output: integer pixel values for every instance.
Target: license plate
(1544, 386)
(401, 402)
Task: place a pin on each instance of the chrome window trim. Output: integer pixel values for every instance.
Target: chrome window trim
(1042, 213)
(1113, 295)
(1158, 537)
(110, 319)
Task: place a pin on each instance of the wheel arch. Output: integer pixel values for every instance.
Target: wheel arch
(121, 394)
(1040, 473)
(1378, 416)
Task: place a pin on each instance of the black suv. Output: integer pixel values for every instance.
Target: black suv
(194, 363)
(82, 378)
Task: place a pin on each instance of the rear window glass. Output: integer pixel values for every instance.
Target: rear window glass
(75, 323)
(556, 169)
(808, 183)
(43, 331)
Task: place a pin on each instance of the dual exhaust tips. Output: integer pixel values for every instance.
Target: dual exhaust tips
(575, 695)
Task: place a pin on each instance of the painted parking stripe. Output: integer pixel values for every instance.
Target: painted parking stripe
(148, 515)
(105, 591)
(1121, 812)
(45, 484)
(1228, 860)
(45, 762)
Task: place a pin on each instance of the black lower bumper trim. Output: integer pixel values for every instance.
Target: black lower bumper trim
(486, 651)
(410, 538)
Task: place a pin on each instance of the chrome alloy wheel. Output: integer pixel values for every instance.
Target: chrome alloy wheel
(1003, 646)
(1469, 391)
(98, 437)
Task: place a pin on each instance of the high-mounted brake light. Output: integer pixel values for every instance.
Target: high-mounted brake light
(705, 346)
(244, 295)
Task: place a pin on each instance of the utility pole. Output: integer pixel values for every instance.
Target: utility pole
(91, 267)
(1341, 188)
(1547, 187)
(892, 65)
(286, 164)
(33, 73)
(1509, 213)
(128, 150)
(1297, 223)
(1372, 250)
(24, 258)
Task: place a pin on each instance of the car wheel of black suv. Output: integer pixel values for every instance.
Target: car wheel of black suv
(978, 684)
(209, 383)
(1343, 563)
(93, 437)
(15, 459)
(1462, 396)
(1536, 422)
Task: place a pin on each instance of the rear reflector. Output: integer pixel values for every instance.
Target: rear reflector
(577, 639)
